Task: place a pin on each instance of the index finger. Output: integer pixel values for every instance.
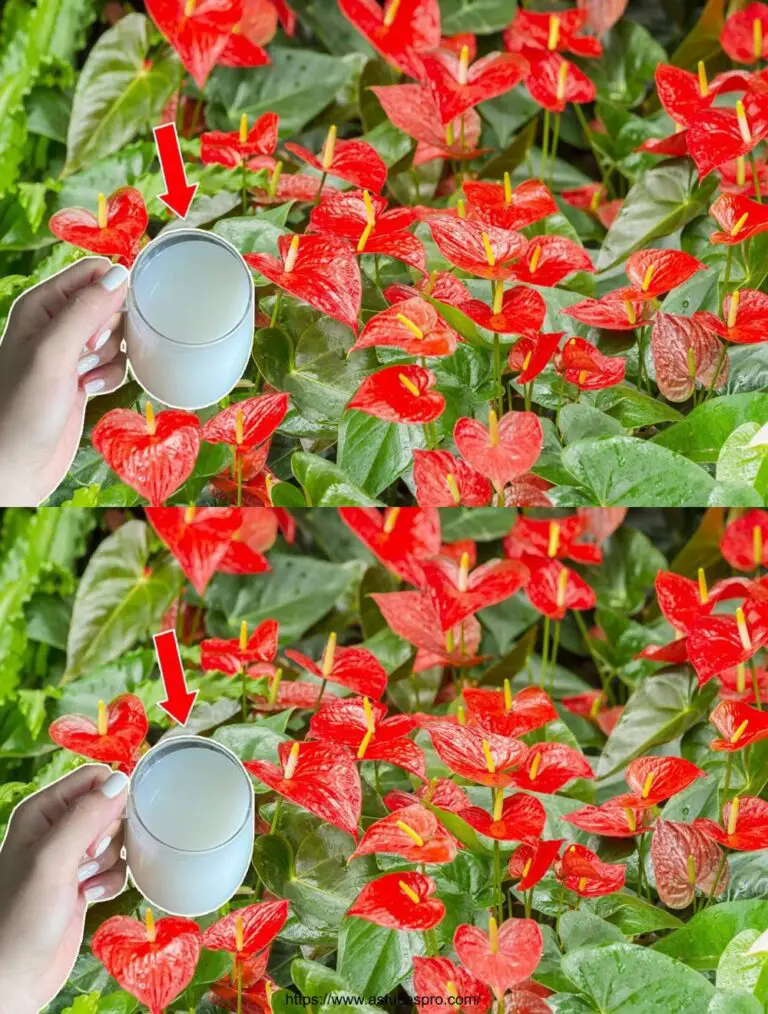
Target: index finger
(38, 813)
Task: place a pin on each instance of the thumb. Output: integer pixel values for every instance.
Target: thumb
(87, 820)
(86, 313)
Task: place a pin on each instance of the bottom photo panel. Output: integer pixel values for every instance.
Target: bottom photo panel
(492, 760)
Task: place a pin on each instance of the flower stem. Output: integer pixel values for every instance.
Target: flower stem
(555, 646)
(276, 815)
(244, 690)
(553, 154)
(244, 186)
(276, 307)
(755, 685)
(755, 177)
(544, 147)
(544, 653)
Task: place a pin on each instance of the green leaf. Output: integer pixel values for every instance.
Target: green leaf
(701, 942)
(477, 16)
(120, 599)
(634, 409)
(273, 861)
(661, 201)
(327, 485)
(748, 875)
(481, 524)
(512, 155)
(580, 422)
(375, 453)
(580, 928)
(702, 434)
(460, 829)
(251, 742)
(324, 883)
(738, 969)
(660, 710)
(734, 1002)
(251, 234)
(626, 979)
(634, 916)
(328, 990)
(119, 93)
(625, 70)
(630, 564)
(737, 461)
(374, 959)
(629, 472)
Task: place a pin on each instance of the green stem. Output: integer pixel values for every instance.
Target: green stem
(590, 141)
(319, 700)
(244, 186)
(319, 193)
(553, 153)
(718, 369)
(276, 307)
(544, 653)
(498, 895)
(497, 373)
(238, 463)
(244, 690)
(555, 646)
(755, 177)
(276, 815)
(544, 147)
(239, 972)
(726, 782)
(755, 685)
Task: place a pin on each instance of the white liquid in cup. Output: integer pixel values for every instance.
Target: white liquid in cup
(189, 326)
(189, 828)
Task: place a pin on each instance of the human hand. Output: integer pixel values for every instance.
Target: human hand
(61, 344)
(61, 851)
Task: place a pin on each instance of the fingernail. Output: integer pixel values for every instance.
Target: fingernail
(102, 847)
(101, 340)
(86, 364)
(114, 785)
(86, 871)
(93, 893)
(114, 278)
(93, 386)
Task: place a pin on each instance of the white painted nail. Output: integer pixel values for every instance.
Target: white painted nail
(93, 893)
(86, 364)
(101, 848)
(101, 340)
(114, 278)
(114, 785)
(86, 871)
(93, 386)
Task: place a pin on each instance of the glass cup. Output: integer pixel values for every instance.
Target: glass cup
(189, 825)
(190, 318)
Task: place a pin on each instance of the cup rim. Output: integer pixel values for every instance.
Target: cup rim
(179, 742)
(169, 237)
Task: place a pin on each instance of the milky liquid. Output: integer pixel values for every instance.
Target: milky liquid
(192, 290)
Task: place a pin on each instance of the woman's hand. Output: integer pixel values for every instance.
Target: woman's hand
(61, 344)
(61, 851)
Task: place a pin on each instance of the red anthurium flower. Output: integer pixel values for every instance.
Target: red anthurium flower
(412, 832)
(515, 818)
(654, 272)
(550, 766)
(505, 714)
(401, 901)
(738, 684)
(527, 491)
(357, 162)
(611, 313)
(531, 354)
(550, 259)
(321, 270)
(736, 177)
(442, 981)
(516, 311)
(443, 480)
(293, 694)
(744, 827)
(320, 777)
(198, 537)
(257, 26)
(257, 532)
(401, 394)
(412, 615)
(455, 43)
(152, 454)
(414, 326)
(113, 738)
(559, 538)
(456, 85)
(602, 14)
(363, 219)
(412, 109)
(506, 208)
(199, 30)
(291, 187)
(721, 135)
(745, 541)
(739, 219)
(611, 820)
(362, 725)
(553, 588)
(684, 859)
(255, 987)
(457, 592)
(683, 603)
(531, 860)
(441, 792)
(594, 707)
(745, 314)
(682, 94)
(503, 451)
(581, 364)
(253, 147)
(246, 424)
(399, 31)
(153, 961)
(480, 756)
(398, 538)
(115, 230)
(745, 34)
(440, 285)
(553, 82)
(721, 642)
(355, 668)
(581, 871)
(655, 779)
(560, 32)
(739, 726)
(685, 353)
(482, 250)
(675, 146)
(246, 931)
(504, 956)
(235, 655)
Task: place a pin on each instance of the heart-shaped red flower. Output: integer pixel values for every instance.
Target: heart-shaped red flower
(504, 956)
(581, 871)
(440, 980)
(246, 931)
(413, 325)
(684, 859)
(399, 538)
(522, 310)
(399, 30)
(198, 537)
(550, 766)
(412, 832)
(357, 162)
(581, 364)
(457, 592)
(482, 250)
(115, 230)
(503, 451)
(199, 30)
(551, 259)
(482, 757)
(518, 818)
(401, 394)
(553, 82)
(457, 85)
(401, 901)
(113, 738)
(254, 146)
(685, 353)
(443, 480)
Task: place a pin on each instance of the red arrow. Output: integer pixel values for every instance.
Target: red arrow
(178, 700)
(179, 193)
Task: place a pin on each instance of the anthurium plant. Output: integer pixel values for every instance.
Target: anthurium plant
(502, 761)
(509, 257)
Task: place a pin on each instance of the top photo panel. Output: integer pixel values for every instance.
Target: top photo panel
(433, 253)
